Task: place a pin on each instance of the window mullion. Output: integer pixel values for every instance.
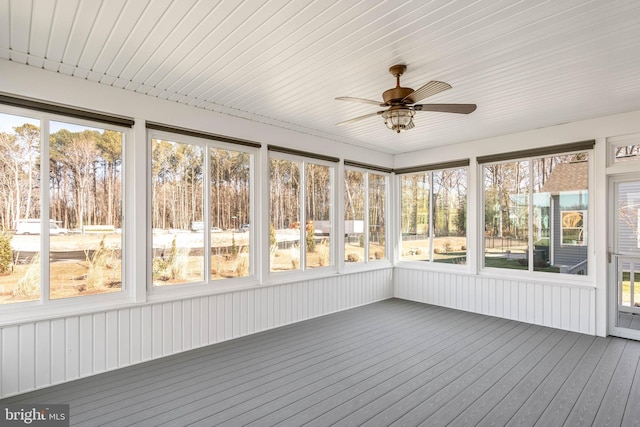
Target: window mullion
(206, 214)
(45, 235)
(366, 218)
(530, 254)
(303, 215)
(431, 210)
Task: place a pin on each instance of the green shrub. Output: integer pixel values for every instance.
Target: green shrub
(311, 241)
(6, 253)
(272, 235)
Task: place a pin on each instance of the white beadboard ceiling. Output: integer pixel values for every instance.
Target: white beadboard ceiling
(526, 64)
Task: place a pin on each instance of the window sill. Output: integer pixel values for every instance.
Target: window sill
(34, 311)
(504, 274)
(434, 266)
(539, 277)
(195, 290)
(361, 267)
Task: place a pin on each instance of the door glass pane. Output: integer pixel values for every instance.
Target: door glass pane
(628, 258)
(625, 153)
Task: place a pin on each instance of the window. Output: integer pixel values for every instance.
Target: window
(365, 209)
(376, 192)
(72, 223)
(434, 216)
(627, 152)
(624, 148)
(535, 213)
(300, 212)
(572, 227)
(192, 243)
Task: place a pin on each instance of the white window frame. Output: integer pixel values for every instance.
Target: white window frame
(387, 177)
(206, 286)
(276, 277)
(582, 242)
(579, 279)
(45, 306)
(615, 142)
(430, 262)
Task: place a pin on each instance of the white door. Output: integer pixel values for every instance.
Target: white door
(624, 259)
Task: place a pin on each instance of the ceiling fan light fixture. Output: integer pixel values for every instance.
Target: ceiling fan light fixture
(399, 119)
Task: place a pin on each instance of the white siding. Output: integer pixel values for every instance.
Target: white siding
(569, 307)
(39, 354)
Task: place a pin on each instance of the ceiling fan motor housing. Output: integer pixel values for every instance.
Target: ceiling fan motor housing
(396, 95)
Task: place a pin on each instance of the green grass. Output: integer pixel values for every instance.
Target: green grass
(453, 257)
(495, 262)
(514, 264)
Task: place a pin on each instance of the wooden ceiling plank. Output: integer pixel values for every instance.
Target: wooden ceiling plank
(156, 35)
(137, 36)
(81, 27)
(101, 32)
(174, 42)
(19, 25)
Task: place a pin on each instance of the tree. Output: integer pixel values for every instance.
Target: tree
(6, 253)
(78, 153)
(10, 174)
(28, 137)
(110, 146)
(284, 192)
(162, 176)
(354, 195)
(19, 163)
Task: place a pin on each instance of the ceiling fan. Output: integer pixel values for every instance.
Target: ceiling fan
(402, 103)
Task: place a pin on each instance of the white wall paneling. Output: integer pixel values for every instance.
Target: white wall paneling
(562, 306)
(43, 353)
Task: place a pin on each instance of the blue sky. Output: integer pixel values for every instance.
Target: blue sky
(8, 122)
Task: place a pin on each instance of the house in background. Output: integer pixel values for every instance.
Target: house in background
(567, 186)
(201, 100)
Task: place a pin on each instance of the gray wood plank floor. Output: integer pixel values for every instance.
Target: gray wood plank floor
(630, 321)
(391, 363)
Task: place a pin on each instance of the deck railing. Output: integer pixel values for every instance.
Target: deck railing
(628, 287)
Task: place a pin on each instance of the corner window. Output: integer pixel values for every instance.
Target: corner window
(535, 214)
(73, 222)
(434, 216)
(200, 211)
(300, 212)
(365, 209)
